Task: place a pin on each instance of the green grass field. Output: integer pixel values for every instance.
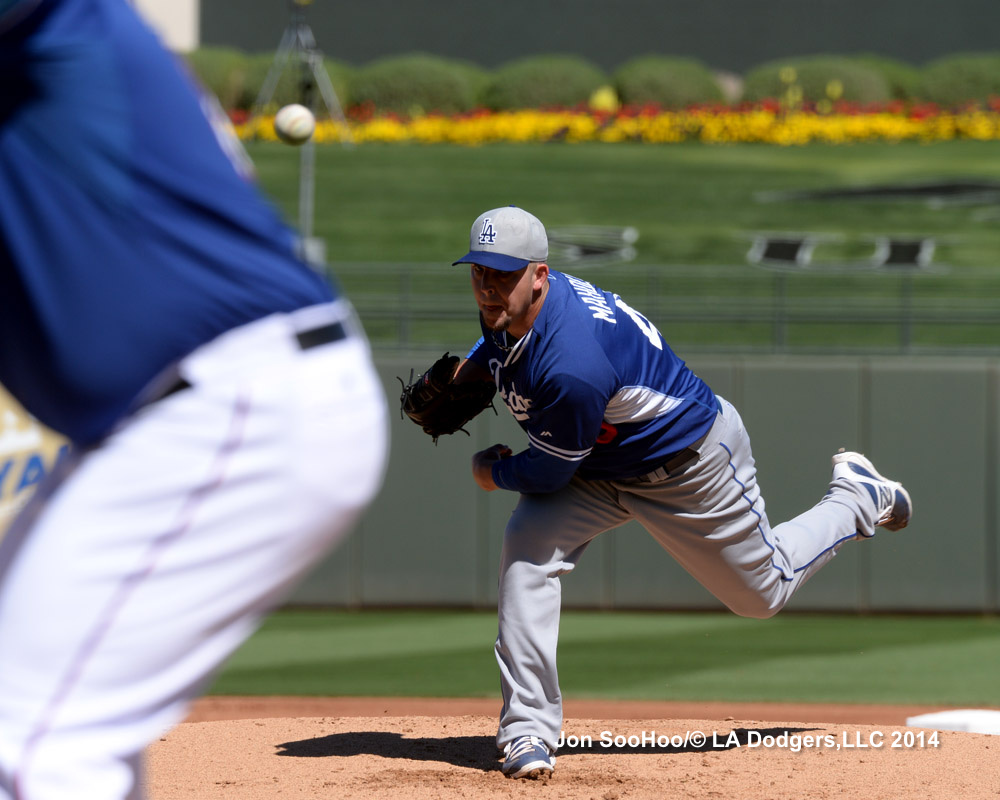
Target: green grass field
(947, 660)
(691, 203)
(393, 217)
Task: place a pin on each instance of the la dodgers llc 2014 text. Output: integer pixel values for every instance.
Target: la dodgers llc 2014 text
(739, 737)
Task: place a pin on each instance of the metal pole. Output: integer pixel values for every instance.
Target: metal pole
(307, 189)
(298, 43)
(906, 312)
(307, 157)
(780, 318)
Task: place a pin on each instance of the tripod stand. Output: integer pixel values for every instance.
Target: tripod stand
(299, 44)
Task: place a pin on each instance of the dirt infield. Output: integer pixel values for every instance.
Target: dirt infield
(374, 748)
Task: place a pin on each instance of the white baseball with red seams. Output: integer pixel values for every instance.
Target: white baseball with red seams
(294, 124)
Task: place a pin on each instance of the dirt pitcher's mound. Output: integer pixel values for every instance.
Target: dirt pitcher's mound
(606, 759)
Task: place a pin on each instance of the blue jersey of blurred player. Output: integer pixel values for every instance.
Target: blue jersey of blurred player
(227, 425)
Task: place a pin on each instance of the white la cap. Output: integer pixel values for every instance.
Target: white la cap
(507, 239)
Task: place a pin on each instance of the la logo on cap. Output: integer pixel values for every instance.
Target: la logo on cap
(487, 235)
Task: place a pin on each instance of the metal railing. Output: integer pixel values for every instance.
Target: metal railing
(733, 309)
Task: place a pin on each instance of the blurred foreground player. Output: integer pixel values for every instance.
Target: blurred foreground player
(227, 424)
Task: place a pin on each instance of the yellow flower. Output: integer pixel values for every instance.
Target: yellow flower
(604, 99)
(787, 125)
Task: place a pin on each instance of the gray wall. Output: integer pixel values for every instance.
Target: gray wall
(433, 538)
(725, 34)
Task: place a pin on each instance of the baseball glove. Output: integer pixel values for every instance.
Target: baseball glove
(440, 406)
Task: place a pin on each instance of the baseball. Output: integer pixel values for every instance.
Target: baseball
(294, 124)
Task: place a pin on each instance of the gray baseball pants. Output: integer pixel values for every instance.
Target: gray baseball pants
(709, 516)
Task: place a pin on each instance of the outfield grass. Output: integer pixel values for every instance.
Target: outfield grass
(393, 217)
(692, 203)
(654, 656)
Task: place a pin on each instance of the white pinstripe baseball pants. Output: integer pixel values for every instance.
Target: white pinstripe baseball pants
(137, 571)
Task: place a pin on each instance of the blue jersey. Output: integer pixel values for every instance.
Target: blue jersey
(128, 234)
(595, 387)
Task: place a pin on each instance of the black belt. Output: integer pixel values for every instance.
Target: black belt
(680, 459)
(307, 339)
(671, 465)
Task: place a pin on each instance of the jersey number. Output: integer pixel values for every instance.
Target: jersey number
(648, 329)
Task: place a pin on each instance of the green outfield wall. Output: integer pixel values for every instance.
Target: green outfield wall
(433, 538)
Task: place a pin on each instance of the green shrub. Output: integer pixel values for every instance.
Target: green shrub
(815, 76)
(222, 71)
(962, 78)
(539, 81)
(416, 82)
(904, 79)
(476, 76)
(289, 86)
(667, 82)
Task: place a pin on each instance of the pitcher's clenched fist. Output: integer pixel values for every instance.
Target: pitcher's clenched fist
(482, 465)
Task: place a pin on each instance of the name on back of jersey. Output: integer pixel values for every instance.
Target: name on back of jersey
(594, 299)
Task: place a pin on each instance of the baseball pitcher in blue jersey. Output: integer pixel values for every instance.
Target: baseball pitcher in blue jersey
(618, 428)
(226, 421)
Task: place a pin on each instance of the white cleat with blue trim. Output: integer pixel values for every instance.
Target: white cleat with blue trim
(892, 502)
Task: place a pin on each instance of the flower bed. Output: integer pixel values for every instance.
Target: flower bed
(766, 123)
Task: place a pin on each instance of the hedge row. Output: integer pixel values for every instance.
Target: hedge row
(419, 82)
